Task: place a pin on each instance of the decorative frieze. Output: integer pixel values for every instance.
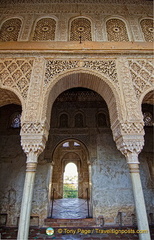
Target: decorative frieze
(104, 7)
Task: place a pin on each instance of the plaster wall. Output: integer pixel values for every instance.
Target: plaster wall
(12, 175)
(111, 184)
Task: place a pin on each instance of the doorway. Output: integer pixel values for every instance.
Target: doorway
(70, 180)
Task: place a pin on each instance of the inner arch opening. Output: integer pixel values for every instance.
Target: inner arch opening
(70, 182)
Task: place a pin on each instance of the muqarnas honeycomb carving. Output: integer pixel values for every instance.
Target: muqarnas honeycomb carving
(80, 28)
(45, 30)
(116, 30)
(10, 30)
(147, 26)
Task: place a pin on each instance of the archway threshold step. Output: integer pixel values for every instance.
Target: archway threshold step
(82, 222)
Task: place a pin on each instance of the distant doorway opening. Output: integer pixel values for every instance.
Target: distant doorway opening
(70, 181)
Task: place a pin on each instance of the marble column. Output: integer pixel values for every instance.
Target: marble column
(142, 220)
(23, 228)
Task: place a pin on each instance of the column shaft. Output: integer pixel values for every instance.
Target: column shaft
(23, 228)
(142, 219)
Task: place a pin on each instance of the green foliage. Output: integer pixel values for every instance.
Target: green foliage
(70, 191)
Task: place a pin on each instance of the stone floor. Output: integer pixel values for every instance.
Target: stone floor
(70, 208)
(67, 210)
(36, 233)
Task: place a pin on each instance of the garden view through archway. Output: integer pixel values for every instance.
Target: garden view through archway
(70, 182)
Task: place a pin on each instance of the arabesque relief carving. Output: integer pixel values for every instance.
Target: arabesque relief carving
(107, 67)
(130, 98)
(33, 102)
(53, 68)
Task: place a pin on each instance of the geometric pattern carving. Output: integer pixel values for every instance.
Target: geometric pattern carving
(16, 73)
(45, 29)
(116, 30)
(33, 128)
(147, 26)
(53, 68)
(10, 30)
(131, 127)
(80, 28)
(142, 72)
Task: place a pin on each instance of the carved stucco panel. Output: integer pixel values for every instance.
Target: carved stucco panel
(16, 74)
(133, 21)
(99, 33)
(34, 102)
(34, 136)
(130, 143)
(55, 67)
(130, 102)
(142, 74)
(27, 26)
(62, 30)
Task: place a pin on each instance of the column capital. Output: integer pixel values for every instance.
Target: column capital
(33, 138)
(129, 137)
(130, 145)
